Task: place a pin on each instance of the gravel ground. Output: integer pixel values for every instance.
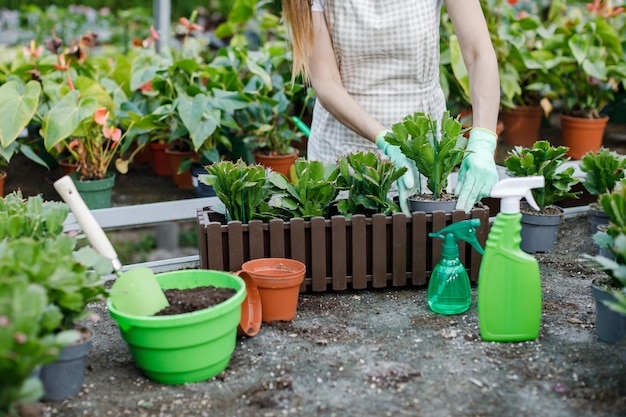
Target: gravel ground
(384, 353)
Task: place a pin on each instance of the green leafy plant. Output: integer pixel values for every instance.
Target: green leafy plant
(310, 194)
(368, 180)
(547, 161)
(45, 287)
(613, 240)
(587, 45)
(243, 189)
(27, 339)
(604, 169)
(417, 136)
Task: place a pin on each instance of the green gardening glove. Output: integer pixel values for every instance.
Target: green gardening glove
(408, 183)
(478, 173)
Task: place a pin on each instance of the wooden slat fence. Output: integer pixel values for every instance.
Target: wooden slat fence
(339, 254)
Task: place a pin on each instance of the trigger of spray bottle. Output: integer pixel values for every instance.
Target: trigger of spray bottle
(449, 289)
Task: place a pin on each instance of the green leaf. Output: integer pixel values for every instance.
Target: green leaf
(17, 109)
(64, 118)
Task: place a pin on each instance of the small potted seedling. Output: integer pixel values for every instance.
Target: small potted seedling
(436, 149)
(539, 228)
(604, 169)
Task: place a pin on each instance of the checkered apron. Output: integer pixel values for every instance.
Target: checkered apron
(388, 56)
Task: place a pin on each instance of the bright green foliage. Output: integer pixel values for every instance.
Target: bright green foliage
(368, 180)
(604, 169)
(26, 339)
(435, 159)
(311, 193)
(546, 160)
(31, 217)
(241, 187)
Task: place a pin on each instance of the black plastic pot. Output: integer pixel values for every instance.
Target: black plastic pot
(610, 325)
(200, 189)
(539, 232)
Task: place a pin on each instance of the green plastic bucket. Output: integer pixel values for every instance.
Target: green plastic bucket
(187, 347)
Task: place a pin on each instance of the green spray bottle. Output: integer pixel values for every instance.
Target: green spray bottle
(509, 284)
(449, 290)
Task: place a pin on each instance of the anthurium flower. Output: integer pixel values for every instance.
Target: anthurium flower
(100, 116)
(62, 65)
(32, 51)
(188, 25)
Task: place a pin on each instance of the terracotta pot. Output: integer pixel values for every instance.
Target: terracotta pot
(278, 163)
(67, 167)
(159, 161)
(582, 135)
(278, 281)
(182, 179)
(144, 156)
(521, 125)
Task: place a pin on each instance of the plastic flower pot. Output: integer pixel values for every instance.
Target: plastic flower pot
(278, 281)
(187, 347)
(251, 311)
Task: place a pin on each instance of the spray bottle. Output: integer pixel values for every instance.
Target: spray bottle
(509, 284)
(449, 290)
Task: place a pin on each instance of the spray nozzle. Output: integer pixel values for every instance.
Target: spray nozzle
(511, 190)
(465, 230)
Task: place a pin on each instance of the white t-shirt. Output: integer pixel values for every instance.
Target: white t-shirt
(318, 6)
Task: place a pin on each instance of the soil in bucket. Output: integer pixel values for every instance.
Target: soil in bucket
(194, 299)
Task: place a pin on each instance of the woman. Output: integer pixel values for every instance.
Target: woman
(373, 62)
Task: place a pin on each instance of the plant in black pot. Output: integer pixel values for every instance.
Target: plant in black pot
(539, 228)
(604, 169)
(436, 151)
(609, 292)
(36, 251)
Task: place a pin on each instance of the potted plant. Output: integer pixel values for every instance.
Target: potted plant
(35, 251)
(539, 229)
(18, 107)
(368, 180)
(609, 291)
(312, 192)
(524, 62)
(350, 248)
(604, 169)
(436, 151)
(592, 63)
(243, 189)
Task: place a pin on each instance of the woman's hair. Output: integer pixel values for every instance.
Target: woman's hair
(297, 13)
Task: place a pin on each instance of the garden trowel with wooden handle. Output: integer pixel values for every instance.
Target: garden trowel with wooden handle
(135, 291)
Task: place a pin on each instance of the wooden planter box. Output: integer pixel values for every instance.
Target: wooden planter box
(340, 254)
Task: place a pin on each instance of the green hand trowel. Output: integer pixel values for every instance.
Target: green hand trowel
(134, 292)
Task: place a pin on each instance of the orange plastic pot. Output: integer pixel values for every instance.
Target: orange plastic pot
(251, 312)
(582, 135)
(521, 125)
(278, 281)
(278, 163)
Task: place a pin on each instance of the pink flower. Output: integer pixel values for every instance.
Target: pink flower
(188, 25)
(62, 65)
(69, 82)
(4, 321)
(154, 33)
(32, 51)
(100, 116)
(112, 133)
(146, 87)
(20, 338)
